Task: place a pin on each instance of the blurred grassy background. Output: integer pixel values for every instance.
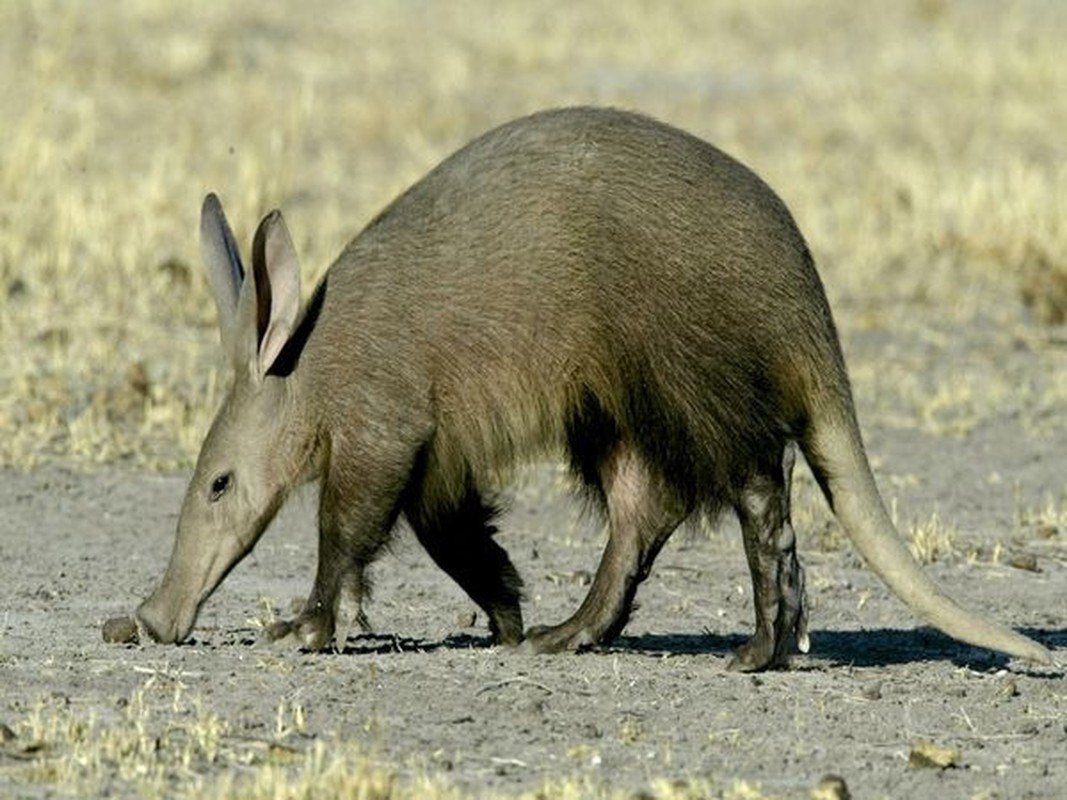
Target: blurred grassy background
(920, 145)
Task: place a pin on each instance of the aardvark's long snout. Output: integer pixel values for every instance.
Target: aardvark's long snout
(167, 618)
(194, 571)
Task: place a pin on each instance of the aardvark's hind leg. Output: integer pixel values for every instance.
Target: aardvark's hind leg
(643, 510)
(777, 577)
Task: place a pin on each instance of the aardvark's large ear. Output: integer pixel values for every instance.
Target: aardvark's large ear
(257, 309)
(276, 287)
(224, 269)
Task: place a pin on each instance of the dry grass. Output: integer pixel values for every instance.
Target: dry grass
(159, 743)
(159, 746)
(917, 147)
(919, 144)
(1050, 519)
(932, 539)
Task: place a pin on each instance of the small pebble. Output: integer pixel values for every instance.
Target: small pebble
(872, 692)
(120, 630)
(930, 755)
(1025, 561)
(1007, 687)
(831, 787)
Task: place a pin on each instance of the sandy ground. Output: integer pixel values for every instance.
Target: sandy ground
(428, 694)
(921, 149)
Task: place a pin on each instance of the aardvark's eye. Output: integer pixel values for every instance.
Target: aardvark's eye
(220, 486)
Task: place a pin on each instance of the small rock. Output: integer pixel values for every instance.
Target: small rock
(1025, 561)
(926, 754)
(120, 630)
(1008, 687)
(830, 787)
(6, 734)
(872, 692)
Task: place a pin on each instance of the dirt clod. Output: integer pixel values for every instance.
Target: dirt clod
(1025, 561)
(926, 754)
(830, 787)
(120, 630)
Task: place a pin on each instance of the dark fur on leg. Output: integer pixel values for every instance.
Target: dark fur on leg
(459, 538)
(763, 507)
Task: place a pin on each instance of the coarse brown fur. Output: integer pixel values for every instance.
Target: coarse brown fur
(583, 283)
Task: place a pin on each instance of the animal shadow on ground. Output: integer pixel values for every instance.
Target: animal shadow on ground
(354, 645)
(384, 643)
(874, 647)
